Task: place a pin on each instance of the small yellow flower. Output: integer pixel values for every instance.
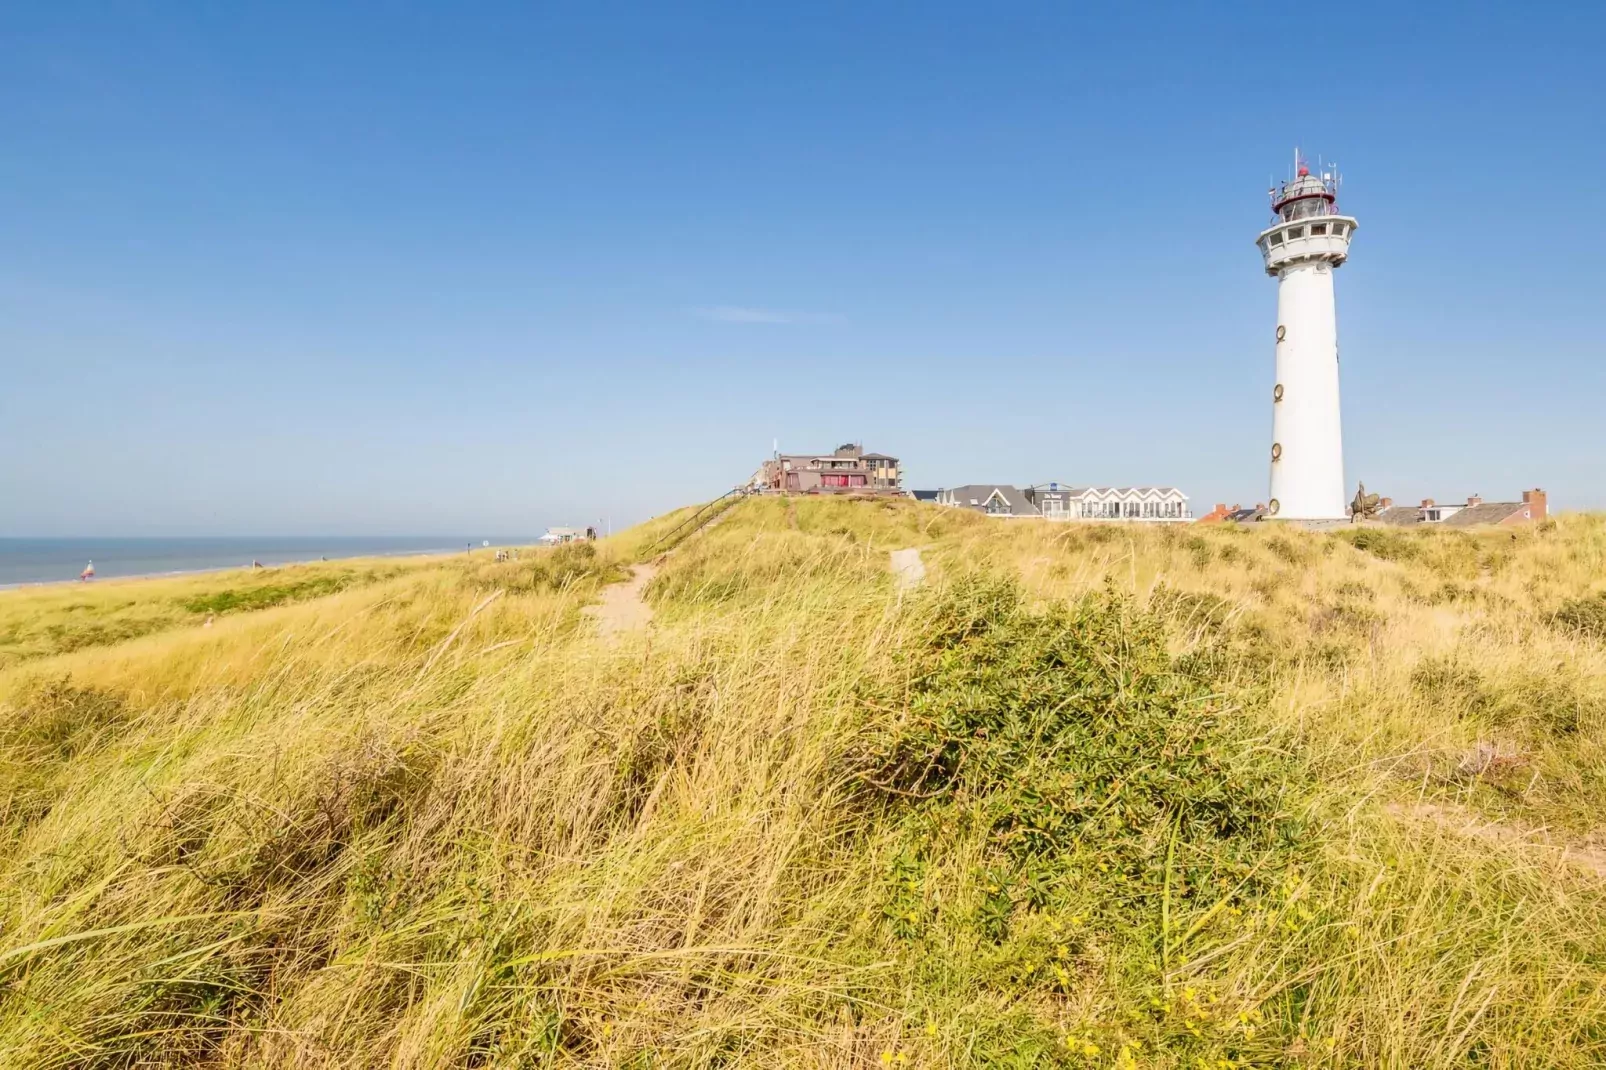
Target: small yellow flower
(886, 1058)
(1089, 1048)
(931, 1029)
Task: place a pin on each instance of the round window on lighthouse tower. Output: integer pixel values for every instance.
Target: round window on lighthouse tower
(1277, 394)
(1276, 451)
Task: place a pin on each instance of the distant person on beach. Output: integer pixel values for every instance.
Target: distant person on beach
(88, 573)
(591, 533)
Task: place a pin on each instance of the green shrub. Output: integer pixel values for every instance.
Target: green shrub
(1389, 545)
(546, 570)
(1080, 750)
(239, 599)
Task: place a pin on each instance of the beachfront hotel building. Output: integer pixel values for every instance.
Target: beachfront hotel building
(1051, 501)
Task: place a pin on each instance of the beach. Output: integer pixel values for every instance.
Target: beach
(28, 561)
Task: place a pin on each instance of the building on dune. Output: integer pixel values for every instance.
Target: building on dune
(1472, 512)
(1238, 514)
(1052, 501)
(844, 470)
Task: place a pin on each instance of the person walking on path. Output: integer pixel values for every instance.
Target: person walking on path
(88, 573)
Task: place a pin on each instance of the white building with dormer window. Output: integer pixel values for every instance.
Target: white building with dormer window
(1052, 501)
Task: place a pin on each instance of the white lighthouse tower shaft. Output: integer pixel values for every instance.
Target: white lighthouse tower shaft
(1301, 250)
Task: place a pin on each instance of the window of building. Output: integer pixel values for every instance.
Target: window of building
(1277, 238)
(996, 506)
(1340, 229)
(1295, 232)
(1318, 228)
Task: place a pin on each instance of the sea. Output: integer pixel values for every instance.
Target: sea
(38, 560)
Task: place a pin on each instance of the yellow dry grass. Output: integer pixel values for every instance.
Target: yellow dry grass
(433, 819)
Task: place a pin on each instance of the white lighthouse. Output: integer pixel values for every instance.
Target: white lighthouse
(1302, 248)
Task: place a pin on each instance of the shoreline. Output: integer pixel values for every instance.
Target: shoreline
(21, 585)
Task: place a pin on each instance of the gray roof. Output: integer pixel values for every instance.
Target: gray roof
(1400, 515)
(1018, 504)
(924, 495)
(1465, 517)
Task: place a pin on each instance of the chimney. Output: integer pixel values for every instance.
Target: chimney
(1473, 500)
(1385, 503)
(1427, 503)
(1535, 501)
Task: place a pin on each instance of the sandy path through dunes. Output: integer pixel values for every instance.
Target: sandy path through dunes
(907, 568)
(621, 608)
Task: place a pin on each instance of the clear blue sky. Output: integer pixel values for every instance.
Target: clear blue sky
(307, 267)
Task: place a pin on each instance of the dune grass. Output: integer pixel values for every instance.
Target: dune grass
(1104, 796)
(58, 618)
